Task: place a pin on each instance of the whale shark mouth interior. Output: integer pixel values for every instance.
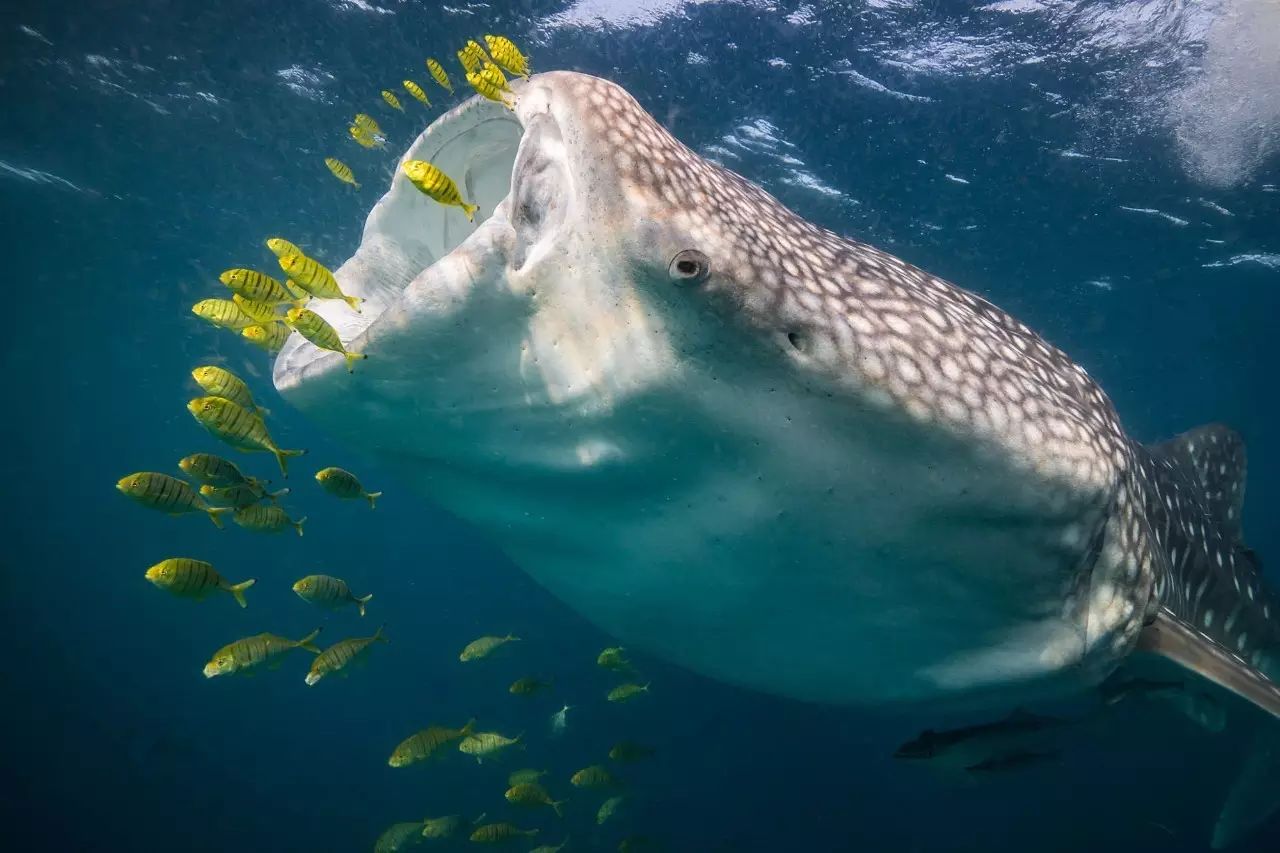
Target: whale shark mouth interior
(407, 233)
(477, 147)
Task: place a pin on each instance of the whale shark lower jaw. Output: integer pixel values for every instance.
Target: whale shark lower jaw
(730, 437)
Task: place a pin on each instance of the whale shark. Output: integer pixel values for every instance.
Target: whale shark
(764, 451)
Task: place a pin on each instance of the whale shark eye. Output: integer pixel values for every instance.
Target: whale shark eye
(689, 267)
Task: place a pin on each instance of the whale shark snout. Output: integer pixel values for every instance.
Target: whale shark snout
(774, 455)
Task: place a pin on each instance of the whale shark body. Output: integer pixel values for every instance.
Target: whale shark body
(769, 453)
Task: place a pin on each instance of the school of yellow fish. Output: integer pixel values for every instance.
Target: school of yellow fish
(265, 311)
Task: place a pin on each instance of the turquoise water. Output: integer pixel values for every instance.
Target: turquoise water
(1032, 156)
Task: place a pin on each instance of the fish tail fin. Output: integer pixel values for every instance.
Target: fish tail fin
(354, 302)
(470, 211)
(297, 525)
(469, 727)
(261, 411)
(309, 642)
(557, 805)
(215, 512)
(278, 494)
(282, 459)
(361, 602)
(372, 498)
(238, 591)
(352, 358)
(377, 635)
(355, 184)
(510, 638)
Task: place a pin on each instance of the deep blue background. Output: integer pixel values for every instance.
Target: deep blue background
(114, 741)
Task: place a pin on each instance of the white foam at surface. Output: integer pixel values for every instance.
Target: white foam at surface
(1227, 120)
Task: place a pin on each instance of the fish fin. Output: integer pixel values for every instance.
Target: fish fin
(261, 411)
(510, 638)
(556, 805)
(215, 511)
(273, 496)
(282, 457)
(354, 302)
(469, 727)
(361, 602)
(352, 358)
(308, 642)
(297, 525)
(238, 591)
(377, 635)
(1214, 457)
(1171, 638)
(470, 211)
(372, 498)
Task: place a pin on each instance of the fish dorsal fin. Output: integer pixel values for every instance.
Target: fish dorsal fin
(1170, 637)
(1212, 456)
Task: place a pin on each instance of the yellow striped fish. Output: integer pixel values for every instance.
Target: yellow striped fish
(222, 313)
(266, 519)
(167, 494)
(253, 651)
(367, 123)
(220, 382)
(336, 657)
(341, 171)
(343, 484)
(420, 746)
(533, 794)
(607, 810)
(316, 279)
(439, 74)
(261, 312)
(505, 53)
(216, 471)
(281, 247)
(392, 100)
(439, 186)
(190, 578)
(256, 286)
(329, 592)
(489, 84)
(313, 327)
(494, 833)
(414, 89)
(239, 495)
(485, 744)
(299, 294)
(441, 827)
(399, 837)
(363, 137)
(472, 56)
(594, 776)
(484, 646)
(267, 336)
(238, 427)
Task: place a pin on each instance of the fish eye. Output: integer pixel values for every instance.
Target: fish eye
(689, 267)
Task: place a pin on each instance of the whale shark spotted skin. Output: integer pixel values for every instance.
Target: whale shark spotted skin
(767, 452)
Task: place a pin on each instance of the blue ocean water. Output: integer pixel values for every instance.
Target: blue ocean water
(1059, 159)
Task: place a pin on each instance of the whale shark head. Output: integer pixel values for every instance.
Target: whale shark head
(726, 435)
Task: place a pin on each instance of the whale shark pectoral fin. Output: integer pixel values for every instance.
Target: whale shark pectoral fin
(1177, 641)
